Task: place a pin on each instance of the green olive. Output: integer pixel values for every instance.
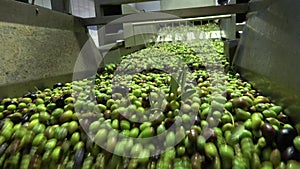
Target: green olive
(292, 164)
(210, 150)
(256, 121)
(75, 138)
(296, 142)
(72, 127)
(275, 157)
(125, 125)
(101, 136)
(134, 132)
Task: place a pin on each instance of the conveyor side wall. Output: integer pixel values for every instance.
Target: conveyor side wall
(269, 53)
(39, 47)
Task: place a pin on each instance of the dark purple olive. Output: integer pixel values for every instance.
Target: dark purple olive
(156, 157)
(191, 67)
(7, 103)
(285, 138)
(268, 132)
(78, 158)
(252, 109)
(145, 102)
(58, 85)
(197, 120)
(151, 90)
(6, 112)
(193, 135)
(15, 118)
(240, 103)
(283, 118)
(157, 119)
(209, 134)
(25, 118)
(289, 153)
(31, 95)
(66, 95)
(101, 100)
(256, 94)
(227, 95)
(60, 102)
(168, 122)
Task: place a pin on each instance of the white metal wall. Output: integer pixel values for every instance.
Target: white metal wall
(83, 8)
(80, 8)
(43, 3)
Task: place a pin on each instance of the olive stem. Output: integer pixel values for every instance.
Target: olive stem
(232, 119)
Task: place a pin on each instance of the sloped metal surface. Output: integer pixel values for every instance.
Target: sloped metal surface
(269, 52)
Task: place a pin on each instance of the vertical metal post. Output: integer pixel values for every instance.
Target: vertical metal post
(100, 28)
(61, 5)
(229, 26)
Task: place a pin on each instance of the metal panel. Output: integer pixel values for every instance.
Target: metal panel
(37, 49)
(183, 13)
(22, 13)
(109, 2)
(179, 4)
(268, 54)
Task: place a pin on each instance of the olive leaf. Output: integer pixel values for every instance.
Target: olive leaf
(186, 95)
(173, 87)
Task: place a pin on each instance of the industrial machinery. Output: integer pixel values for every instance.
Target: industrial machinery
(191, 84)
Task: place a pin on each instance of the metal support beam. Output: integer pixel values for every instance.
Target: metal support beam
(118, 2)
(183, 13)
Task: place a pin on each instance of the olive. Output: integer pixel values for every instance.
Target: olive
(3, 147)
(58, 85)
(60, 102)
(145, 102)
(283, 118)
(193, 134)
(209, 134)
(197, 120)
(268, 132)
(157, 118)
(227, 95)
(78, 158)
(101, 100)
(285, 138)
(107, 114)
(66, 95)
(31, 95)
(289, 153)
(169, 122)
(275, 157)
(196, 161)
(15, 118)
